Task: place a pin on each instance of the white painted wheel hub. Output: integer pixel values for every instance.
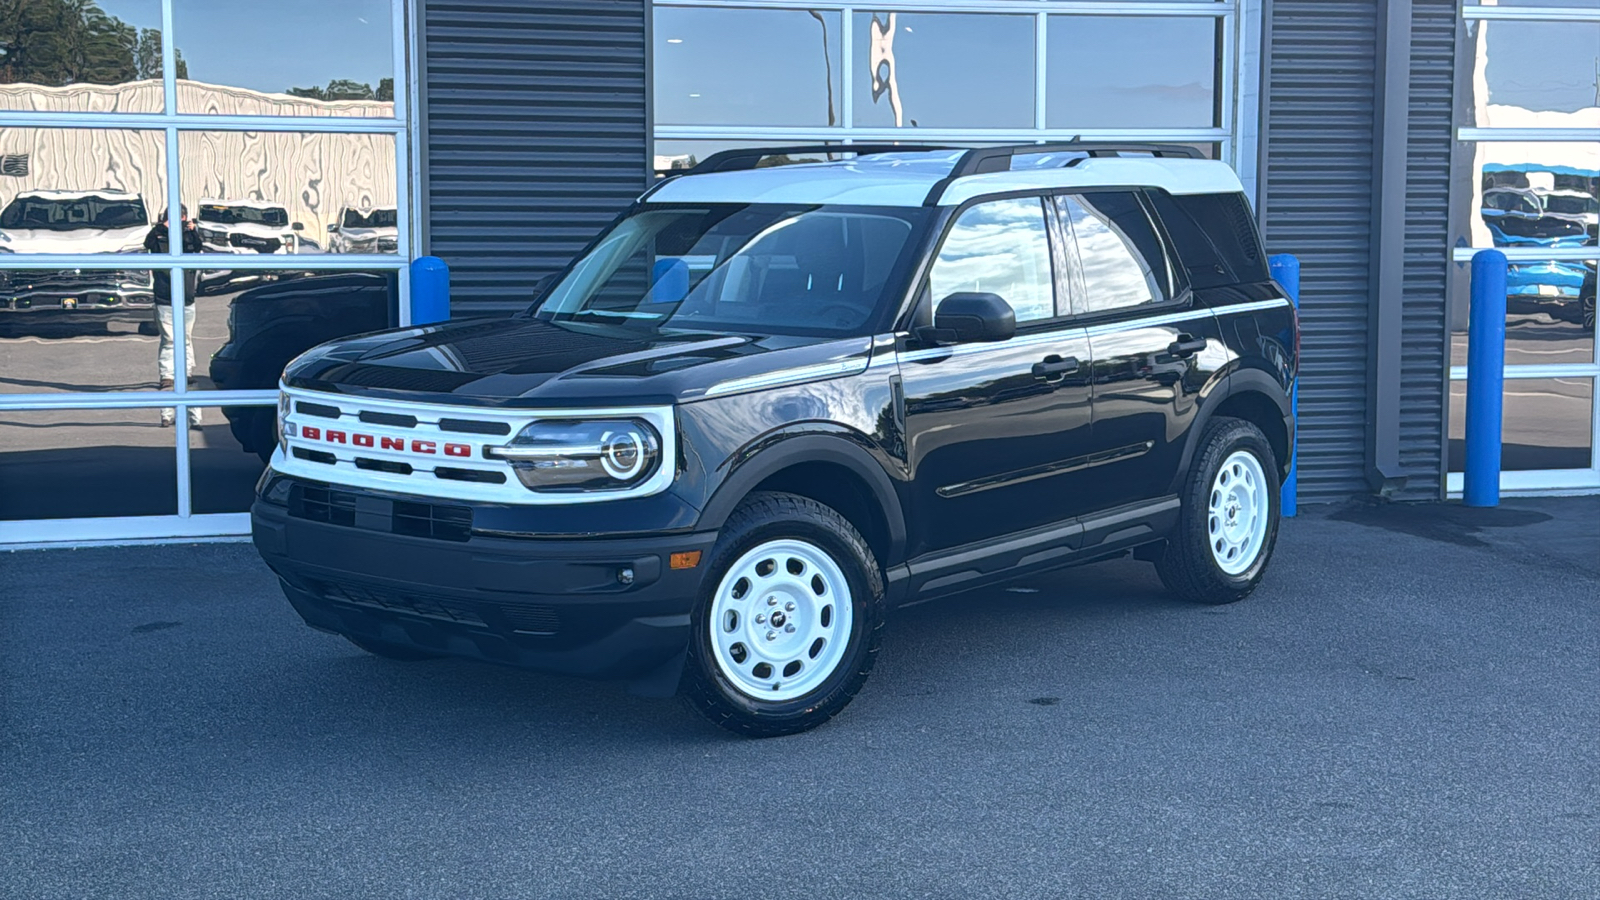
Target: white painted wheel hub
(1236, 517)
(780, 620)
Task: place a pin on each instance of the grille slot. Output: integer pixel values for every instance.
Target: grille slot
(541, 620)
(316, 456)
(383, 465)
(351, 510)
(444, 523)
(316, 409)
(474, 475)
(469, 426)
(395, 419)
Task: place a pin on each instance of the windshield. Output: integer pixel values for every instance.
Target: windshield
(73, 214)
(777, 269)
(378, 218)
(273, 216)
(1571, 204)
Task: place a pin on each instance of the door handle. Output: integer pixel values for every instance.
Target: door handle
(1186, 346)
(1055, 368)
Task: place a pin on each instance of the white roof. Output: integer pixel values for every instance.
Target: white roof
(248, 204)
(906, 179)
(78, 195)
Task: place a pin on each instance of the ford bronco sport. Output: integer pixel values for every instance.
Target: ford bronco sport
(769, 404)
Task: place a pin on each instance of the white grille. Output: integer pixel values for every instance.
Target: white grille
(435, 451)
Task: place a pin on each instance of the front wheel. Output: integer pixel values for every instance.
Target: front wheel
(789, 618)
(1229, 521)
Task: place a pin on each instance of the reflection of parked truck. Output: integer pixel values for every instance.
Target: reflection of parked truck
(247, 226)
(272, 324)
(74, 222)
(365, 231)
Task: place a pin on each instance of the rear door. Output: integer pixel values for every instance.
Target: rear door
(1152, 349)
(997, 432)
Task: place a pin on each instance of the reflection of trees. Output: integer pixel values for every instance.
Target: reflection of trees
(346, 89)
(62, 42)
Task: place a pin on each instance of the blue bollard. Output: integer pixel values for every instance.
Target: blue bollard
(1285, 270)
(430, 290)
(1486, 374)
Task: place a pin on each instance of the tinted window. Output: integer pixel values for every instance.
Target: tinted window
(748, 66)
(1132, 72)
(1215, 237)
(1001, 247)
(1123, 261)
(943, 70)
(731, 267)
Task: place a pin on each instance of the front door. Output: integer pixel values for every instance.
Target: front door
(995, 431)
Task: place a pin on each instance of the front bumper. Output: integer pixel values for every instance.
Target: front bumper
(551, 604)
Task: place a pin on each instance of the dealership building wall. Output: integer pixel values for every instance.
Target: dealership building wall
(1373, 136)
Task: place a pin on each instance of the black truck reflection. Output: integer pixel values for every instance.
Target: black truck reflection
(272, 324)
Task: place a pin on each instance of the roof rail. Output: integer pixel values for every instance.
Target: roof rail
(750, 157)
(998, 159)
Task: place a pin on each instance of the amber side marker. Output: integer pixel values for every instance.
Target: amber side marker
(685, 560)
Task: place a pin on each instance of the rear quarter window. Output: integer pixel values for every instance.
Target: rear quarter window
(1215, 237)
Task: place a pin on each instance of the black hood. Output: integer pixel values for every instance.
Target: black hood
(522, 360)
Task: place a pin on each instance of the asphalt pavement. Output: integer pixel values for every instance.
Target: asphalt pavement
(1408, 707)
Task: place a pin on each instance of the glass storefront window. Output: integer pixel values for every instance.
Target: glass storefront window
(1535, 74)
(747, 66)
(1550, 306)
(65, 56)
(290, 193)
(292, 58)
(80, 190)
(223, 463)
(1548, 424)
(1533, 194)
(76, 330)
(78, 463)
(918, 70)
(1132, 72)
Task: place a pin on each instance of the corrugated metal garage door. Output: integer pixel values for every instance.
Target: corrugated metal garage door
(1316, 202)
(535, 125)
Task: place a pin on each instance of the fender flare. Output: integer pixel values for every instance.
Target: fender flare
(1238, 381)
(776, 452)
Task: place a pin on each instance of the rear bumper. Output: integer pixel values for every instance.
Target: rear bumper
(554, 605)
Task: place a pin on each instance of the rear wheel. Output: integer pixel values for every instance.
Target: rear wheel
(789, 619)
(1229, 521)
(397, 652)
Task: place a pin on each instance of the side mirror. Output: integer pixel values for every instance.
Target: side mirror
(973, 317)
(298, 226)
(333, 229)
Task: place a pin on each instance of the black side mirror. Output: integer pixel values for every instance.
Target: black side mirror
(298, 226)
(971, 317)
(334, 228)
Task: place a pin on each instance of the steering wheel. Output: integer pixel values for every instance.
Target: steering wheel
(851, 315)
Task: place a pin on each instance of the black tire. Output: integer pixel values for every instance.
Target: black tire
(1187, 565)
(762, 518)
(396, 652)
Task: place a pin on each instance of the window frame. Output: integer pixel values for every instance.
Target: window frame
(923, 292)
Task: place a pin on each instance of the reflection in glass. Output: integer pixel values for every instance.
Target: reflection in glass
(747, 67)
(76, 463)
(222, 470)
(79, 190)
(1548, 424)
(944, 70)
(1132, 72)
(999, 247)
(1534, 74)
(1535, 194)
(288, 193)
(81, 56)
(89, 330)
(250, 329)
(1549, 315)
(676, 156)
(294, 57)
(1119, 251)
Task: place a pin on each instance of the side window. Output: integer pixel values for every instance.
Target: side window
(1000, 247)
(1123, 261)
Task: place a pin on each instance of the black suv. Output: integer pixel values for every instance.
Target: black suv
(770, 403)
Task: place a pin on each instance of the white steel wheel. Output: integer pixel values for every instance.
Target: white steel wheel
(1238, 512)
(780, 620)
